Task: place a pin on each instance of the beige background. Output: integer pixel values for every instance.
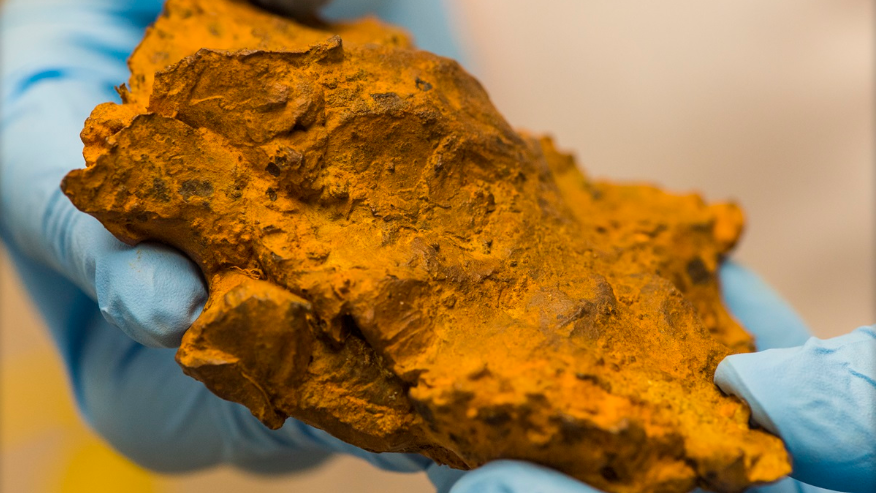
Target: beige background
(767, 102)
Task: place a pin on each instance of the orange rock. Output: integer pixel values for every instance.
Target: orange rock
(388, 260)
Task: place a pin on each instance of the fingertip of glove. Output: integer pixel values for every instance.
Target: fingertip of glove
(518, 477)
(727, 378)
(151, 292)
(740, 375)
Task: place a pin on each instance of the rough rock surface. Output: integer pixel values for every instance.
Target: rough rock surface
(390, 261)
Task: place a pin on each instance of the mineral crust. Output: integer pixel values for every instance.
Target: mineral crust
(388, 260)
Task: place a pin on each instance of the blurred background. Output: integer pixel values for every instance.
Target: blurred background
(769, 103)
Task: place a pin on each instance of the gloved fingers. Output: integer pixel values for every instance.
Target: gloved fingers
(507, 476)
(150, 291)
(444, 478)
(812, 396)
(762, 312)
(141, 402)
(789, 485)
(820, 398)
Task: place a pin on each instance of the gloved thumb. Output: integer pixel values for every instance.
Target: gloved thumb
(150, 291)
(820, 398)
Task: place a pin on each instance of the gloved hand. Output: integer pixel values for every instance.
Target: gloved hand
(819, 396)
(61, 58)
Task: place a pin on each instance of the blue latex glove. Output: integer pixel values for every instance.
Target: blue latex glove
(819, 396)
(61, 58)
(522, 477)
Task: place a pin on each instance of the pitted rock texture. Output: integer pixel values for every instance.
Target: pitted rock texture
(390, 261)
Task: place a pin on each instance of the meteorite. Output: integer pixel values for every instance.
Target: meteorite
(390, 261)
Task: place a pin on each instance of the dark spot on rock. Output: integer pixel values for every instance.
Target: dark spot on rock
(388, 100)
(272, 194)
(159, 190)
(424, 411)
(496, 418)
(423, 85)
(609, 474)
(571, 430)
(273, 169)
(286, 158)
(198, 188)
(595, 380)
(697, 271)
(234, 191)
(482, 373)
(657, 230)
(520, 177)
